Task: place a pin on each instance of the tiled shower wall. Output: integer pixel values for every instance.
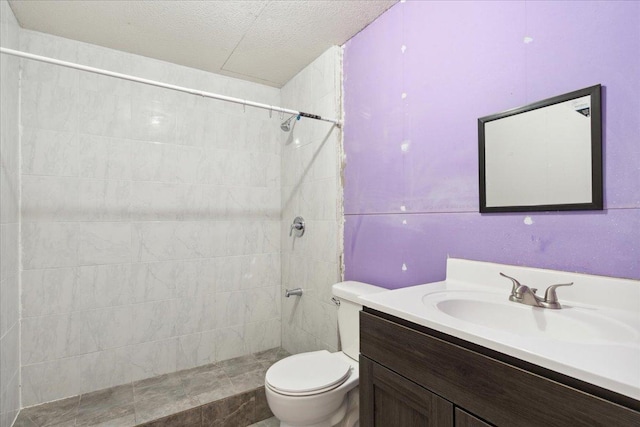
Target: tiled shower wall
(9, 221)
(311, 188)
(151, 221)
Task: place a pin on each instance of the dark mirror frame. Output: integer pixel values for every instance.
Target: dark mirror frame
(596, 153)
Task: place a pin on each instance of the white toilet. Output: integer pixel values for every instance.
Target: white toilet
(318, 388)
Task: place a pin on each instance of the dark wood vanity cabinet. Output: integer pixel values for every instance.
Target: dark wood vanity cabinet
(414, 376)
(393, 400)
(465, 419)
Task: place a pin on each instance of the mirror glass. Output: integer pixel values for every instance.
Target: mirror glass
(544, 156)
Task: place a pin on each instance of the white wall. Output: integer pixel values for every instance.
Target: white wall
(311, 188)
(150, 221)
(9, 221)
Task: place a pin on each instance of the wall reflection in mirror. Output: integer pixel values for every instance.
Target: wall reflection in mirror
(546, 156)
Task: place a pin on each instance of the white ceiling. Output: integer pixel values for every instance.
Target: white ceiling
(263, 41)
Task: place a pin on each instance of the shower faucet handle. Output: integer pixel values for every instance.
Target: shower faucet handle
(298, 225)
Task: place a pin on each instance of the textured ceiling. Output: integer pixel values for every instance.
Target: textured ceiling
(263, 41)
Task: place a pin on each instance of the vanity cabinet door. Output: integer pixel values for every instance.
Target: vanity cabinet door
(465, 419)
(388, 399)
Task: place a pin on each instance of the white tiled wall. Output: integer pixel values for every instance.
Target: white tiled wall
(150, 221)
(9, 221)
(311, 188)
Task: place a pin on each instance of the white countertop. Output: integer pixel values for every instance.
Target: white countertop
(608, 360)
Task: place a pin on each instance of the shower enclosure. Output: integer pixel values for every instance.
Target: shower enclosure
(154, 223)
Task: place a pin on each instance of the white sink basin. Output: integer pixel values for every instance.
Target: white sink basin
(594, 337)
(493, 310)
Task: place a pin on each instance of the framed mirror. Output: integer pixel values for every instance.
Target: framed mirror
(546, 156)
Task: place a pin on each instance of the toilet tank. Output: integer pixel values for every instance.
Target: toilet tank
(348, 313)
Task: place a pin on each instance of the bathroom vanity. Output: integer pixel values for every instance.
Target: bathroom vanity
(453, 353)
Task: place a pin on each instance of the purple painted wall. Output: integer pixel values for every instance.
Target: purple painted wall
(411, 177)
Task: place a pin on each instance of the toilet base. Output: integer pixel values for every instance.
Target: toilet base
(331, 422)
(347, 415)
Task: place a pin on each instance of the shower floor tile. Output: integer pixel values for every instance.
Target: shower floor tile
(227, 393)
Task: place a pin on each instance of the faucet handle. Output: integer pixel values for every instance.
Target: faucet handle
(516, 284)
(550, 294)
(298, 226)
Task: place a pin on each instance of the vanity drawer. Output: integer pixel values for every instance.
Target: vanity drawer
(495, 391)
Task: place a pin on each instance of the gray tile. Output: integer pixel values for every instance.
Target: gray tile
(236, 370)
(214, 394)
(249, 380)
(23, 421)
(156, 381)
(127, 421)
(234, 411)
(212, 367)
(59, 413)
(189, 418)
(203, 371)
(70, 423)
(231, 391)
(262, 406)
(273, 355)
(114, 396)
(208, 387)
(157, 387)
(162, 405)
(113, 416)
(238, 361)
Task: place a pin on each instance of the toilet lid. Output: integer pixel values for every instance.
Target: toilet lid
(308, 373)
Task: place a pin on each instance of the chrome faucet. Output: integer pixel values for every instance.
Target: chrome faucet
(526, 295)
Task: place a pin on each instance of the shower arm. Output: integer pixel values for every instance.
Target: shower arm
(204, 94)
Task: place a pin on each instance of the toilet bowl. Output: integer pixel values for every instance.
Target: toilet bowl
(311, 389)
(319, 388)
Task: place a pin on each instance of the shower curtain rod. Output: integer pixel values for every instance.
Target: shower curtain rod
(94, 70)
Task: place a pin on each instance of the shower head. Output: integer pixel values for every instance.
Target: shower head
(286, 125)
